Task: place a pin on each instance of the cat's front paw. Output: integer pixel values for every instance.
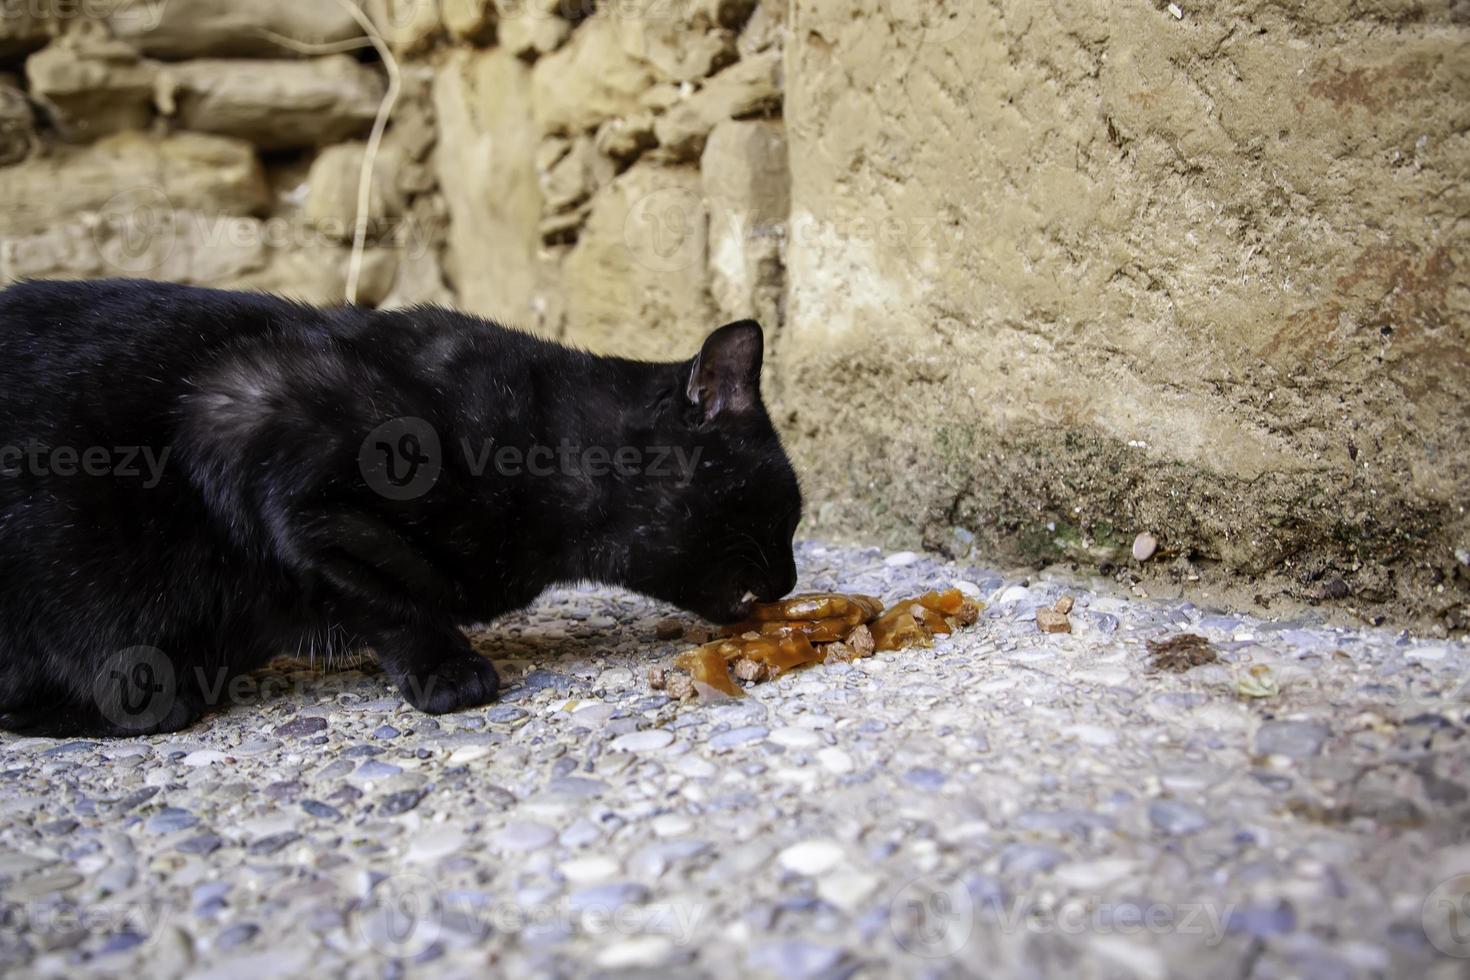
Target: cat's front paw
(463, 680)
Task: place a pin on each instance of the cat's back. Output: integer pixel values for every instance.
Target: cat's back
(55, 319)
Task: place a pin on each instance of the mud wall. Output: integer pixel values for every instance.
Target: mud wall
(1064, 272)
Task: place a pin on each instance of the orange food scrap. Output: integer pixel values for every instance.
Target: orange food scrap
(778, 653)
(818, 605)
(828, 630)
(897, 628)
(819, 627)
(707, 665)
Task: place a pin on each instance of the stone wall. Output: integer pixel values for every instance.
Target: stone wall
(210, 142)
(1037, 277)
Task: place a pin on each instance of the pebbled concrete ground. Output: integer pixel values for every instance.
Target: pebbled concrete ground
(1008, 803)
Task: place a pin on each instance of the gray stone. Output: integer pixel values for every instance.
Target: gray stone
(401, 802)
(275, 104)
(170, 820)
(738, 736)
(1297, 739)
(607, 898)
(194, 28)
(301, 727)
(1173, 817)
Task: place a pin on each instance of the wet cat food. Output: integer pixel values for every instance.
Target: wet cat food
(811, 628)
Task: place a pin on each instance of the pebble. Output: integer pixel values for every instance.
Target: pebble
(170, 820)
(1173, 817)
(468, 753)
(1295, 739)
(236, 935)
(738, 736)
(581, 871)
(648, 740)
(273, 843)
(1144, 546)
(400, 802)
(795, 738)
(201, 844)
(607, 898)
(672, 825)
(811, 857)
(523, 836)
(301, 727)
(1088, 875)
(373, 770)
(695, 766)
(925, 778)
(435, 842)
(639, 952)
(321, 811)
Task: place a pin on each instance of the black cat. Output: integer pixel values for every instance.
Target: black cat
(193, 481)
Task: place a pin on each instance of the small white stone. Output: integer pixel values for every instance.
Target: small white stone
(581, 871)
(1087, 875)
(899, 559)
(593, 713)
(204, 757)
(967, 587)
(615, 678)
(640, 951)
(523, 836)
(695, 766)
(1091, 734)
(468, 753)
(1174, 9)
(1420, 653)
(835, 761)
(1144, 546)
(434, 843)
(672, 825)
(847, 888)
(648, 740)
(795, 738)
(811, 857)
(1013, 593)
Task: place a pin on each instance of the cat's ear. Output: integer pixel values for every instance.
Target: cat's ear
(725, 377)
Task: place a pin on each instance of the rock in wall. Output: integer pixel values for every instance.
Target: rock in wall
(215, 143)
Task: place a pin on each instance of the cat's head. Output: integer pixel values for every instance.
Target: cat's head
(715, 535)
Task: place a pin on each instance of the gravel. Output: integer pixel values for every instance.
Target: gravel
(1011, 801)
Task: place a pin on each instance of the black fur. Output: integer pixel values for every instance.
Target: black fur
(284, 505)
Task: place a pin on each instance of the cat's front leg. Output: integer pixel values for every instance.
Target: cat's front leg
(434, 667)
